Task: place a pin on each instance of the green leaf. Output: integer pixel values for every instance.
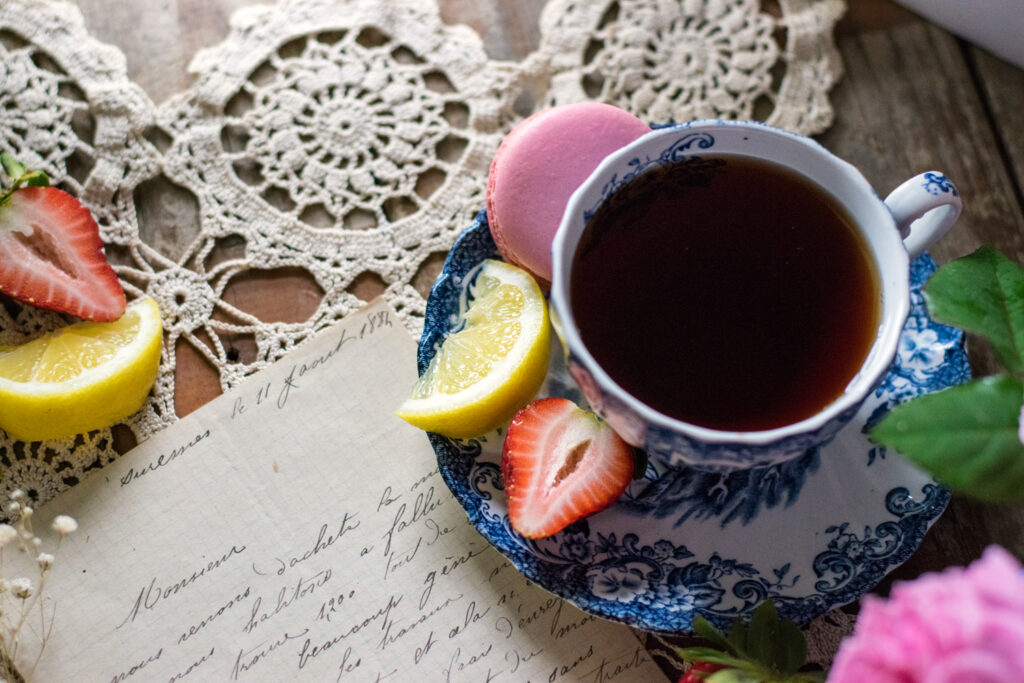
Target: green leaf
(704, 628)
(738, 636)
(12, 167)
(707, 654)
(983, 293)
(965, 436)
(697, 654)
(36, 179)
(791, 648)
(762, 633)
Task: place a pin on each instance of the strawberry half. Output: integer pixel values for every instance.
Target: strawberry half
(700, 671)
(51, 254)
(560, 464)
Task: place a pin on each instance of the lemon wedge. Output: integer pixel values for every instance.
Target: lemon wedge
(494, 362)
(81, 377)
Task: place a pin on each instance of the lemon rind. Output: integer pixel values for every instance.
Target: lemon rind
(450, 414)
(114, 390)
(149, 318)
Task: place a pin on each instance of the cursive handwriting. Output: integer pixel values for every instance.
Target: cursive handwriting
(515, 658)
(566, 669)
(195, 628)
(347, 666)
(422, 650)
(437, 530)
(323, 541)
(392, 636)
(499, 569)
(192, 667)
(609, 671)
(559, 630)
(303, 368)
(309, 651)
(424, 504)
(395, 560)
(151, 595)
(472, 616)
(424, 479)
(303, 564)
(286, 597)
(333, 605)
(539, 611)
(163, 460)
(124, 675)
(452, 562)
(386, 499)
(374, 322)
(248, 659)
(456, 662)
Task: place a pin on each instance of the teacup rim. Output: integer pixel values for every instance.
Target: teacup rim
(870, 374)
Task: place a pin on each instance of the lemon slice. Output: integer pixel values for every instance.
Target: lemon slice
(82, 377)
(493, 364)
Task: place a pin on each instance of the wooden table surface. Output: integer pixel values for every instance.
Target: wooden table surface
(913, 98)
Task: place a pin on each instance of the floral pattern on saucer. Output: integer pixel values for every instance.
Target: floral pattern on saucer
(811, 534)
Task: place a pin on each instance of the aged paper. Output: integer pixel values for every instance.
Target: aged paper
(294, 529)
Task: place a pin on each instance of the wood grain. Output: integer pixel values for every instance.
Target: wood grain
(908, 104)
(159, 39)
(1001, 86)
(510, 30)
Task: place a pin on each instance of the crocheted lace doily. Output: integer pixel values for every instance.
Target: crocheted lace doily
(346, 140)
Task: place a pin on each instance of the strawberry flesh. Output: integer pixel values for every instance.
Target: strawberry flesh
(560, 464)
(51, 256)
(699, 672)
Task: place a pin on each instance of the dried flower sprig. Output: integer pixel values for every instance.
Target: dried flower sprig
(26, 613)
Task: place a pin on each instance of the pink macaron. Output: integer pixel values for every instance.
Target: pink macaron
(537, 168)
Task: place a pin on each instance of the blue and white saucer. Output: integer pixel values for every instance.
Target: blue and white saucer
(811, 534)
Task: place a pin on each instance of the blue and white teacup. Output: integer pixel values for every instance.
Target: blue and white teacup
(895, 230)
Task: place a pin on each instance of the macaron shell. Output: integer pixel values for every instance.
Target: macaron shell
(539, 165)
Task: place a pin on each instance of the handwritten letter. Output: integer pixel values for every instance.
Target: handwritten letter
(294, 529)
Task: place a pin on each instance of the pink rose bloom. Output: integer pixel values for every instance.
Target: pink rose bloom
(960, 626)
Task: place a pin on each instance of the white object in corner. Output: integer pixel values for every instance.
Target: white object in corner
(997, 25)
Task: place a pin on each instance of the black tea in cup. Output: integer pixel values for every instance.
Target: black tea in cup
(727, 292)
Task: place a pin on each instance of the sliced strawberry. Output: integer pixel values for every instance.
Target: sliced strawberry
(51, 255)
(699, 672)
(560, 464)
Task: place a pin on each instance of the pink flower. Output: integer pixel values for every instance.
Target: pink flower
(960, 626)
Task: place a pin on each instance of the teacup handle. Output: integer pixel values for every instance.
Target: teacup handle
(925, 207)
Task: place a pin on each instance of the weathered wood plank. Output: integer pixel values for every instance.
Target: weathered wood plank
(160, 38)
(1002, 86)
(510, 29)
(908, 104)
